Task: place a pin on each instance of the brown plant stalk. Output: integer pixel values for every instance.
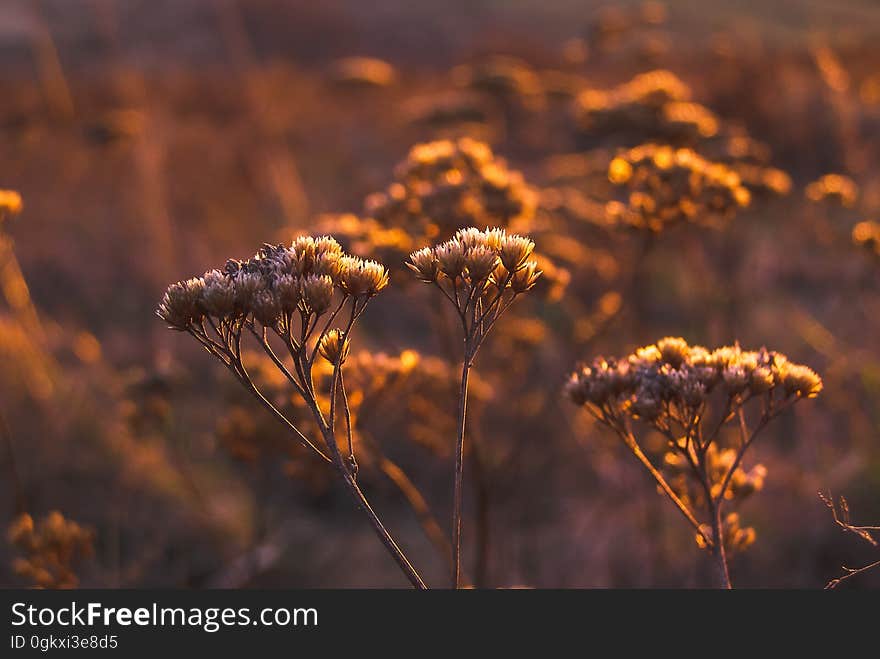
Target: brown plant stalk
(481, 273)
(295, 294)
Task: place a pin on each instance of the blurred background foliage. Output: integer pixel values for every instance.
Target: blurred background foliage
(153, 139)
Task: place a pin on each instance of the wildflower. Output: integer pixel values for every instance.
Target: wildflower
(359, 277)
(445, 185)
(451, 258)
(669, 385)
(480, 262)
(268, 290)
(481, 273)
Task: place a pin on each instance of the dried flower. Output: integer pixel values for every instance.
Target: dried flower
(181, 305)
(674, 388)
(334, 346)
(665, 186)
(287, 290)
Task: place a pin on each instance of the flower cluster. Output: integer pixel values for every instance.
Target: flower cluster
(666, 186)
(274, 287)
(671, 376)
(833, 188)
(742, 483)
(688, 394)
(51, 549)
(476, 268)
(653, 105)
(447, 185)
(295, 293)
(867, 234)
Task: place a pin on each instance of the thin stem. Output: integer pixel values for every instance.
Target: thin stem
(459, 469)
(851, 572)
(718, 552)
(633, 446)
(362, 503)
(250, 386)
(348, 433)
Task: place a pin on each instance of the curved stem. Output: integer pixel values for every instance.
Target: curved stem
(362, 503)
(633, 446)
(345, 472)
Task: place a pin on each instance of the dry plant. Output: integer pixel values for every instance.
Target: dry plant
(664, 186)
(689, 395)
(840, 513)
(481, 273)
(292, 295)
(51, 549)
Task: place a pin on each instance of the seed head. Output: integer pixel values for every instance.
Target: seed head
(801, 380)
(317, 293)
(246, 285)
(515, 251)
(424, 264)
(471, 238)
(180, 306)
(673, 350)
(266, 308)
(359, 277)
(450, 255)
(480, 262)
(334, 346)
(218, 298)
(525, 278)
(288, 291)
